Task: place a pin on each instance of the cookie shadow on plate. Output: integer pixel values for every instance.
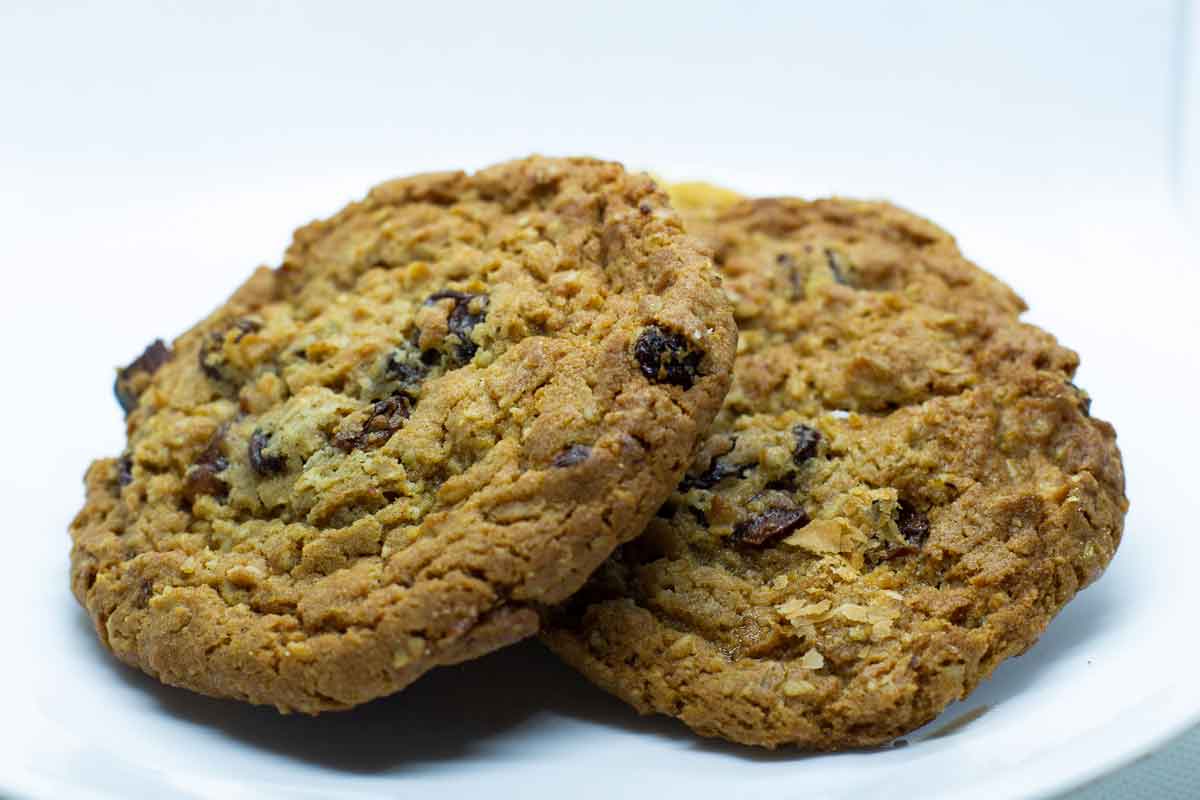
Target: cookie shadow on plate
(452, 713)
(471, 710)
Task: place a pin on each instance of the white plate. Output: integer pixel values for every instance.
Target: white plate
(143, 155)
(1110, 678)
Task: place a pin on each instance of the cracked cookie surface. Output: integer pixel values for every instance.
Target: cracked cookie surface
(436, 415)
(902, 489)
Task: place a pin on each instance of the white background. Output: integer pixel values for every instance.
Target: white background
(152, 154)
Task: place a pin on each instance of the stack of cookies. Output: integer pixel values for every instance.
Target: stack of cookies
(790, 471)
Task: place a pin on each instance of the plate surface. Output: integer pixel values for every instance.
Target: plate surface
(1109, 679)
(152, 154)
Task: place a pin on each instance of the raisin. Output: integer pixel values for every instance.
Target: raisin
(787, 262)
(575, 454)
(263, 463)
(666, 510)
(346, 441)
(785, 484)
(769, 526)
(841, 272)
(807, 441)
(1085, 402)
(386, 417)
(212, 450)
(718, 471)
(665, 357)
(210, 356)
(145, 592)
(203, 476)
(203, 479)
(461, 321)
(913, 525)
(245, 326)
(409, 372)
(126, 387)
(125, 470)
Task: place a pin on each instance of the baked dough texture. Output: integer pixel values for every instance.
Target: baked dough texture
(445, 408)
(904, 486)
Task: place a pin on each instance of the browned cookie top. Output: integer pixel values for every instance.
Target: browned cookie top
(448, 405)
(772, 250)
(902, 489)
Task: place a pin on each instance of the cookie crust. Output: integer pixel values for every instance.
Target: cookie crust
(382, 456)
(901, 491)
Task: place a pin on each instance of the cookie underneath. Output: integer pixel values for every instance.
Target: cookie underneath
(902, 489)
